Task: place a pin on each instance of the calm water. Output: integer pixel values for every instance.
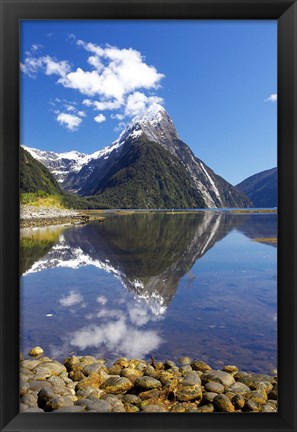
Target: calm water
(154, 284)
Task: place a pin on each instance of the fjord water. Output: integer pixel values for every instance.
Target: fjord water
(165, 285)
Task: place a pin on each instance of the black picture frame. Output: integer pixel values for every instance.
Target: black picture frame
(285, 11)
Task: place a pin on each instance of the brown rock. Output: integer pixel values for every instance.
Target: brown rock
(222, 403)
(36, 351)
(93, 380)
(206, 408)
(238, 401)
(218, 376)
(117, 385)
(199, 365)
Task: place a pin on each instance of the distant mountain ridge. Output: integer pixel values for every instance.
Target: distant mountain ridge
(261, 188)
(148, 166)
(34, 176)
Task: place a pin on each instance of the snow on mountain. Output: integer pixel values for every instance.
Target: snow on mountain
(82, 174)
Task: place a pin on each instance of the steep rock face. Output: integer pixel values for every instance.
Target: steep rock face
(113, 172)
(34, 176)
(261, 188)
(59, 164)
(113, 177)
(146, 176)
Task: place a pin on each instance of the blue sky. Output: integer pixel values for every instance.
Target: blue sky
(81, 81)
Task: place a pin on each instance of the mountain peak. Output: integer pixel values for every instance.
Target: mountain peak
(154, 112)
(154, 122)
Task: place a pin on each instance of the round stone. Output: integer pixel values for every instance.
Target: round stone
(44, 395)
(24, 387)
(150, 371)
(252, 380)
(115, 369)
(117, 385)
(191, 378)
(147, 383)
(58, 402)
(29, 400)
(239, 387)
(209, 396)
(184, 360)
(131, 373)
(214, 387)
(56, 380)
(169, 364)
(69, 362)
(268, 408)
(94, 380)
(42, 373)
(257, 396)
(148, 394)
(273, 394)
(222, 403)
(206, 408)
(230, 369)
(118, 408)
(30, 364)
(185, 369)
(189, 389)
(92, 368)
(38, 385)
(55, 367)
(36, 351)
(218, 376)
(251, 405)
(153, 408)
(99, 406)
(200, 366)
(238, 401)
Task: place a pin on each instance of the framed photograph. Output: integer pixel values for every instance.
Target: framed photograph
(148, 214)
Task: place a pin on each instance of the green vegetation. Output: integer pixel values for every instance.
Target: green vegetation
(147, 176)
(39, 188)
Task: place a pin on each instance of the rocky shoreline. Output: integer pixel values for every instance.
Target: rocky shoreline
(31, 216)
(87, 384)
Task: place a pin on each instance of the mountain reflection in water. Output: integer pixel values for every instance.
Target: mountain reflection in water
(134, 286)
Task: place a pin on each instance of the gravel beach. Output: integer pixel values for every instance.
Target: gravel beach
(87, 384)
(31, 216)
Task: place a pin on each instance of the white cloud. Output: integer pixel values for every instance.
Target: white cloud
(117, 116)
(138, 102)
(46, 64)
(138, 315)
(72, 299)
(271, 98)
(103, 105)
(101, 300)
(70, 107)
(117, 73)
(118, 337)
(70, 121)
(96, 63)
(36, 47)
(115, 79)
(100, 118)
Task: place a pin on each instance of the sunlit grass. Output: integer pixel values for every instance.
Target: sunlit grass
(38, 199)
(266, 239)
